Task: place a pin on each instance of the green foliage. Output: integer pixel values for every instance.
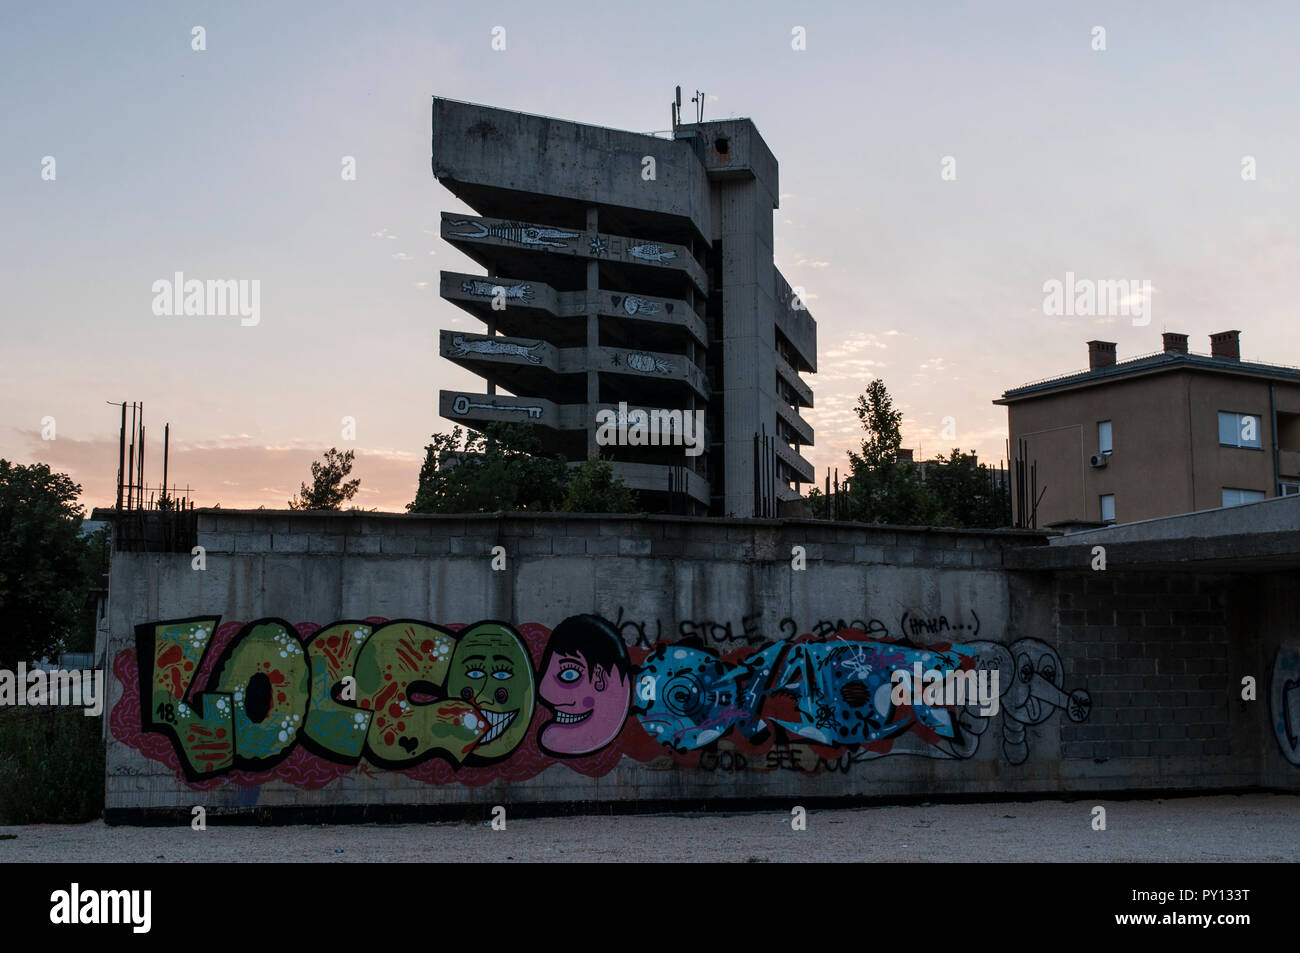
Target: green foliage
(328, 490)
(42, 575)
(891, 493)
(96, 553)
(950, 491)
(818, 504)
(966, 493)
(595, 489)
(502, 468)
(881, 489)
(51, 766)
(883, 426)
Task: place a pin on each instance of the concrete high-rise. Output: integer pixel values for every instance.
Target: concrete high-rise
(632, 269)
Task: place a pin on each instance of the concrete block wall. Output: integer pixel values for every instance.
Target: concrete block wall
(1165, 653)
(1140, 666)
(1156, 647)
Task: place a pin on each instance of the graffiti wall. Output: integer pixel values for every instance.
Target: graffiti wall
(1284, 700)
(473, 703)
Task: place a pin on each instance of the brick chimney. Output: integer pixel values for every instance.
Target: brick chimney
(1174, 343)
(1100, 354)
(1227, 345)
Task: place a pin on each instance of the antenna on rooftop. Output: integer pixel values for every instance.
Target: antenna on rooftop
(698, 99)
(677, 108)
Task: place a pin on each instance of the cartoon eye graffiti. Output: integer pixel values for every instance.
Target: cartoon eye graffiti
(1047, 668)
(1026, 669)
(475, 673)
(569, 675)
(502, 674)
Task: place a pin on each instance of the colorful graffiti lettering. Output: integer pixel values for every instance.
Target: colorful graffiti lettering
(840, 694)
(312, 703)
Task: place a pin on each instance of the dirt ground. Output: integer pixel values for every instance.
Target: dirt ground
(1255, 827)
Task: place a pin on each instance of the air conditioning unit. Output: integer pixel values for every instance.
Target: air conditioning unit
(1099, 460)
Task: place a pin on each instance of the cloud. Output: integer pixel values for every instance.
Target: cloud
(236, 475)
(853, 344)
(402, 256)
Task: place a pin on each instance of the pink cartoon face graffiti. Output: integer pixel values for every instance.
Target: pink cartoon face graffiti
(587, 683)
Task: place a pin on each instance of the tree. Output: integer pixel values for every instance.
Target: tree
(328, 490)
(595, 489)
(883, 489)
(966, 492)
(502, 468)
(42, 575)
(883, 425)
(956, 490)
(97, 552)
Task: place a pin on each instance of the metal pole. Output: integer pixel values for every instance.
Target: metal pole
(139, 470)
(130, 472)
(167, 432)
(121, 457)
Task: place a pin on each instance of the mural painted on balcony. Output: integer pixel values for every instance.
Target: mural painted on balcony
(307, 704)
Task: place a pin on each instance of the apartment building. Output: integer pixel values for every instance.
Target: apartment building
(1165, 433)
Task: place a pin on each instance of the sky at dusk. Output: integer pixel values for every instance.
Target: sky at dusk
(1122, 163)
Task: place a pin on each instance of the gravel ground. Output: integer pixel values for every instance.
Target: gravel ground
(1256, 827)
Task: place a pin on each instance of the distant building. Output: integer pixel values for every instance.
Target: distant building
(628, 271)
(1167, 433)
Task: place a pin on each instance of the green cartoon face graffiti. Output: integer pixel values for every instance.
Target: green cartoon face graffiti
(492, 670)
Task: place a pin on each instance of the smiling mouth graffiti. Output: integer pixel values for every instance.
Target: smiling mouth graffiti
(498, 721)
(571, 718)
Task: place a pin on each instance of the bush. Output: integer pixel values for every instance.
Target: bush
(51, 767)
(595, 489)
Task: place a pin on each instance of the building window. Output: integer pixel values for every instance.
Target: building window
(1235, 497)
(1103, 437)
(1288, 489)
(1239, 430)
(1108, 507)
(1288, 431)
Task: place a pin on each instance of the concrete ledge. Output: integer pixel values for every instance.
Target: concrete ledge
(1242, 551)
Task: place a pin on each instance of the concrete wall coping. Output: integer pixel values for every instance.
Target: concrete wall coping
(210, 519)
(1279, 514)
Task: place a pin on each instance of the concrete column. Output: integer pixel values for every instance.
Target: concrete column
(593, 338)
(492, 331)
